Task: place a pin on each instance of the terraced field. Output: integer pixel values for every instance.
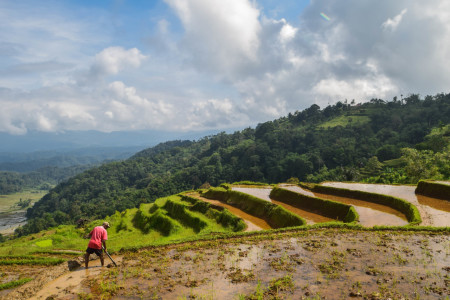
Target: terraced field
(434, 212)
(221, 244)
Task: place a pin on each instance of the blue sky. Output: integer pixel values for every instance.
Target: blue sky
(193, 65)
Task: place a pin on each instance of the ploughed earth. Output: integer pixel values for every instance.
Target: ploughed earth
(297, 264)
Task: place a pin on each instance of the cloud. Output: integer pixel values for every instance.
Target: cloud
(222, 64)
(392, 24)
(221, 35)
(112, 60)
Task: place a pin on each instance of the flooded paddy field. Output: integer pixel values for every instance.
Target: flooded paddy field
(370, 214)
(434, 212)
(259, 192)
(264, 193)
(315, 264)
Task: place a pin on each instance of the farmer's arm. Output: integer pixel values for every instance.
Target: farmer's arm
(104, 244)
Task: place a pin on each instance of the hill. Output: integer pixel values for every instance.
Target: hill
(340, 142)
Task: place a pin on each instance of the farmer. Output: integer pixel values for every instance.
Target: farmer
(98, 237)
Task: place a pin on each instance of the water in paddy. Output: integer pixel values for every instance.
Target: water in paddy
(11, 220)
(264, 193)
(253, 223)
(434, 212)
(370, 214)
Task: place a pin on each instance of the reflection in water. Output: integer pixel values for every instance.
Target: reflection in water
(311, 218)
(370, 214)
(434, 203)
(434, 212)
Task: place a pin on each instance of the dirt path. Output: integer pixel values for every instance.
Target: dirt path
(434, 212)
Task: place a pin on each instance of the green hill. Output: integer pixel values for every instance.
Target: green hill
(314, 144)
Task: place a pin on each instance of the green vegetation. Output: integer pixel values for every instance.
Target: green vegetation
(221, 215)
(295, 146)
(276, 216)
(13, 284)
(408, 209)
(12, 202)
(351, 120)
(42, 179)
(433, 189)
(30, 260)
(327, 208)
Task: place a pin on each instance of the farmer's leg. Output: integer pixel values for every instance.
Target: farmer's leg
(86, 259)
(102, 259)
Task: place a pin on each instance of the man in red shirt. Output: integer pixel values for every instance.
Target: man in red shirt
(98, 237)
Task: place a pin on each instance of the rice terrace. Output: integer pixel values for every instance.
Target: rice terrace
(250, 240)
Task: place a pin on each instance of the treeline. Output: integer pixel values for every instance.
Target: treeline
(340, 142)
(43, 178)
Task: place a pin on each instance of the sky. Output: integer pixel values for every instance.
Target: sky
(193, 65)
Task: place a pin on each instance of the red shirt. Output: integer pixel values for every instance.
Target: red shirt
(98, 234)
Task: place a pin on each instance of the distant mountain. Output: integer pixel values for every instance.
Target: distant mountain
(72, 140)
(341, 142)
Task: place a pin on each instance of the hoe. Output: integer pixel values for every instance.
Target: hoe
(109, 256)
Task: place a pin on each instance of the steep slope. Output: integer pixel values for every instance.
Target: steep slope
(333, 143)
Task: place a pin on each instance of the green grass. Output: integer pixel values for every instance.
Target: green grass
(13, 284)
(9, 202)
(30, 260)
(345, 120)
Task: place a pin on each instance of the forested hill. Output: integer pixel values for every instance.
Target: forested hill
(339, 142)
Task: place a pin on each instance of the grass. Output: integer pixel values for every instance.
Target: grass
(345, 120)
(9, 202)
(13, 284)
(30, 260)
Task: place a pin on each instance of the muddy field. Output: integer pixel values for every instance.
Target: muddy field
(315, 264)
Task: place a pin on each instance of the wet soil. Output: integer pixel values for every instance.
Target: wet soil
(315, 264)
(370, 214)
(434, 212)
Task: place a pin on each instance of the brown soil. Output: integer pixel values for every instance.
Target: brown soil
(325, 264)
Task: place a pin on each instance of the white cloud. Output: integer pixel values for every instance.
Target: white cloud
(112, 60)
(392, 24)
(231, 66)
(219, 34)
